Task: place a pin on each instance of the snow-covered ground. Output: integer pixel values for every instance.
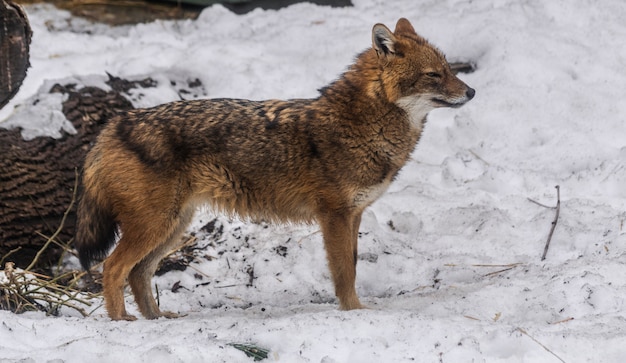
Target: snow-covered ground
(451, 264)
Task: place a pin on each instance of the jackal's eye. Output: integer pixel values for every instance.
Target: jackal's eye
(434, 75)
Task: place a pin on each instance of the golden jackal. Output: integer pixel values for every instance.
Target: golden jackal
(324, 159)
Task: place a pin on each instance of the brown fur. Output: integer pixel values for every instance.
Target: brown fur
(324, 159)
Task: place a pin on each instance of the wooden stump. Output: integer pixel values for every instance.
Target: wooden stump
(15, 34)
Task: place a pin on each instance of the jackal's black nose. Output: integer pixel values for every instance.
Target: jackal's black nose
(470, 93)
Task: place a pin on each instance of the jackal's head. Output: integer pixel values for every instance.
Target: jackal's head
(415, 75)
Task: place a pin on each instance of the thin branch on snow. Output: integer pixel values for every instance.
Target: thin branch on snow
(479, 157)
(556, 218)
(540, 204)
(562, 321)
(499, 272)
(538, 342)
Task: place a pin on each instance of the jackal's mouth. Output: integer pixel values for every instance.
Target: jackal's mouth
(444, 103)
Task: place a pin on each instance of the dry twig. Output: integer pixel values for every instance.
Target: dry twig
(499, 271)
(562, 321)
(4, 258)
(538, 342)
(479, 157)
(539, 204)
(56, 233)
(24, 290)
(556, 218)
(507, 267)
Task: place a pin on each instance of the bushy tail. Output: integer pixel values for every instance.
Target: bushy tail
(95, 230)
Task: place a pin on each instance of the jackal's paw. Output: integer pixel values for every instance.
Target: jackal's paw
(353, 305)
(170, 315)
(126, 317)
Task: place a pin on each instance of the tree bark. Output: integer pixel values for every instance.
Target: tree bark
(37, 177)
(15, 35)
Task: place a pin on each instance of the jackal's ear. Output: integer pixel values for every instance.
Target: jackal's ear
(404, 26)
(383, 40)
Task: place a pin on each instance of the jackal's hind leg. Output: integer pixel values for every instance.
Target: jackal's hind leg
(116, 269)
(141, 275)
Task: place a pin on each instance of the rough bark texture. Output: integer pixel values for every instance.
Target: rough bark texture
(37, 177)
(15, 34)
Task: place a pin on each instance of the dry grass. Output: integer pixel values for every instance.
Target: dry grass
(21, 291)
(26, 290)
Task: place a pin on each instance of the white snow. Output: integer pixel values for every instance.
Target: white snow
(459, 277)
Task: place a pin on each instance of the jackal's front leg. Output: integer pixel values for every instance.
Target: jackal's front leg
(340, 230)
